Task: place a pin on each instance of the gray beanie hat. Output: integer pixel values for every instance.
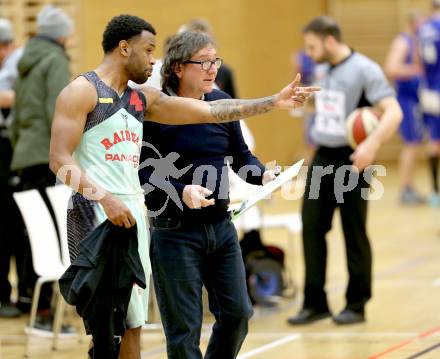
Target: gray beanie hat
(53, 23)
(5, 30)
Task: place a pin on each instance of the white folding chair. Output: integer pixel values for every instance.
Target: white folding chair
(46, 257)
(59, 197)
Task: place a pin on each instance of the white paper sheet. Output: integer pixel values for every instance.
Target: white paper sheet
(287, 175)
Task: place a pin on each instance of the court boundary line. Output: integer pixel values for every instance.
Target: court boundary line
(404, 343)
(427, 350)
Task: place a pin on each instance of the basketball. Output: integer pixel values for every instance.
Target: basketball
(360, 124)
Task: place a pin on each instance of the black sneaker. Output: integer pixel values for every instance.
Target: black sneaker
(7, 310)
(24, 304)
(409, 196)
(348, 316)
(44, 327)
(307, 316)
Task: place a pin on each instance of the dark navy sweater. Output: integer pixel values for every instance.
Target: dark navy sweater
(204, 149)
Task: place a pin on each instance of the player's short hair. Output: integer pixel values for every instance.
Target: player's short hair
(324, 26)
(123, 27)
(436, 4)
(180, 49)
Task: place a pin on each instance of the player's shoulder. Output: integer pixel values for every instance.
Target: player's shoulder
(79, 91)
(403, 38)
(150, 93)
(80, 83)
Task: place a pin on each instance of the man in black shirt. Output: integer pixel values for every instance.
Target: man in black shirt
(193, 241)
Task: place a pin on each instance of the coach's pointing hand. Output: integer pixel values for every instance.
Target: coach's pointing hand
(294, 96)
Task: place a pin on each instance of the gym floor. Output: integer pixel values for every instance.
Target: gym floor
(403, 319)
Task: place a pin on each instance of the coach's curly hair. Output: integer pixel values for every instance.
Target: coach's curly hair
(123, 27)
(180, 49)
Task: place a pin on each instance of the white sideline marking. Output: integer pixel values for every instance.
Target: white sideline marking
(335, 335)
(269, 346)
(293, 337)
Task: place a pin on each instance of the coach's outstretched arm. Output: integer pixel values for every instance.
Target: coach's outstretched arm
(180, 110)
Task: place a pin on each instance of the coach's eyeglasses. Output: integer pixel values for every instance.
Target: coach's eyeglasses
(206, 65)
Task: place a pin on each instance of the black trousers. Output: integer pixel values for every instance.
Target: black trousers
(184, 257)
(13, 240)
(327, 189)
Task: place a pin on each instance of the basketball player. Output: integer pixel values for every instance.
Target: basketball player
(349, 80)
(303, 64)
(402, 67)
(97, 135)
(428, 35)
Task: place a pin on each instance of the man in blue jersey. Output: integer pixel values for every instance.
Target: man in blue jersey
(402, 67)
(97, 136)
(303, 64)
(429, 41)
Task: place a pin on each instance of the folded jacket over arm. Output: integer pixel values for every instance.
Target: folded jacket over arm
(99, 284)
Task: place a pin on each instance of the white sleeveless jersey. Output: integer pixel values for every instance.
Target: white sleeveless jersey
(111, 143)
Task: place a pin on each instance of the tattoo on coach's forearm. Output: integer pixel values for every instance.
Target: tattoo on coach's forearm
(230, 110)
